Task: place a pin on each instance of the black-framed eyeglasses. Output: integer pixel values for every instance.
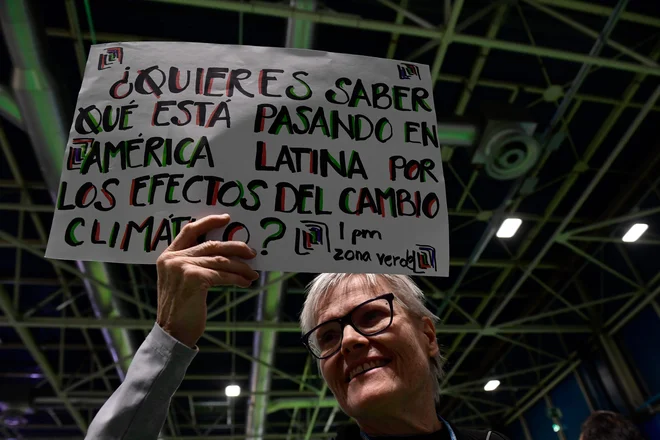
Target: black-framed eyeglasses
(368, 319)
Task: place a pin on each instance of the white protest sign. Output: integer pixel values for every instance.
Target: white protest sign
(326, 162)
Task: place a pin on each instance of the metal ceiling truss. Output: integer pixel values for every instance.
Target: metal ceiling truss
(521, 277)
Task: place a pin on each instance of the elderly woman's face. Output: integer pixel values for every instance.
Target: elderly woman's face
(397, 360)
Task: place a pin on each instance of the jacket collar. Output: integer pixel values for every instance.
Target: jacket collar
(354, 432)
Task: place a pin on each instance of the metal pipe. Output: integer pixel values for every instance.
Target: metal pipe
(92, 279)
(648, 298)
(9, 108)
(624, 218)
(311, 402)
(446, 40)
(315, 413)
(590, 32)
(41, 111)
(39, 358)
(513, 87)
(576, 206)
(641, 293)
(263, 349)
(394, 39)
(555, 53)
(593, 146)
(565, 368)
(469, 21)
(380, 26)
(478, 65)
(603, 11)
(288, 327)
(584, 70)
(549, 243)
(401, 10)
(74, 27)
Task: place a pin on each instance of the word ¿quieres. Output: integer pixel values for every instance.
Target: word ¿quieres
(222, 81)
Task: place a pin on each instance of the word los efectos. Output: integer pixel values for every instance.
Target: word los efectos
(151, 189)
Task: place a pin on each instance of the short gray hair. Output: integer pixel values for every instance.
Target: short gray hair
(407, 293)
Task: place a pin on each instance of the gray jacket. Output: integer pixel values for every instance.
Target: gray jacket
(137, 410)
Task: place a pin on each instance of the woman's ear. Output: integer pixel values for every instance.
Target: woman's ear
(430, 337)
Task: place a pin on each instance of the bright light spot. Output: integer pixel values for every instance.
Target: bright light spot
(556, 427)
(492, 385)
(232, 390)
(635, 232)
(509, 228)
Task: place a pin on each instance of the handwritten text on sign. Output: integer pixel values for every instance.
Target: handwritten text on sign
(325, 162)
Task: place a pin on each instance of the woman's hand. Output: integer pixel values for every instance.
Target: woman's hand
(186, 271)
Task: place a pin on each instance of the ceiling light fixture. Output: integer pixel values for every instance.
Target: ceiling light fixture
(635, 232)
(232, 390)
(492, 385)
(509, 228)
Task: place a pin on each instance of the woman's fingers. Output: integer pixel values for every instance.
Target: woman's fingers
(192, 231)
(222, 278)
(230, 265)
(220, 248)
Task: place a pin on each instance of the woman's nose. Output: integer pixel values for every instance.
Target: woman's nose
(352, 340)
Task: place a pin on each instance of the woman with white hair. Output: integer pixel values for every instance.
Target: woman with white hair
(373, 338)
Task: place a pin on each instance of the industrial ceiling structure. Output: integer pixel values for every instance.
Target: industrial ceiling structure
(525, 310)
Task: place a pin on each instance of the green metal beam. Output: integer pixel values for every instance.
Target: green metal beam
(9, 108)
(583, 197)
(289, 327)
(459, 387)
(479, 63)
(497, 84)
(74, 28)
(312, 421)
(613, 221)
(280, 404)
(394, 38)
(266, 341)
(374, 25)
(644, 301)
(592, 33)
(39, 358)
(599, 263)
(546, 384)
(42, 115)
(446, 40)
(603, 11)
(584, 305)
(98, 280)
